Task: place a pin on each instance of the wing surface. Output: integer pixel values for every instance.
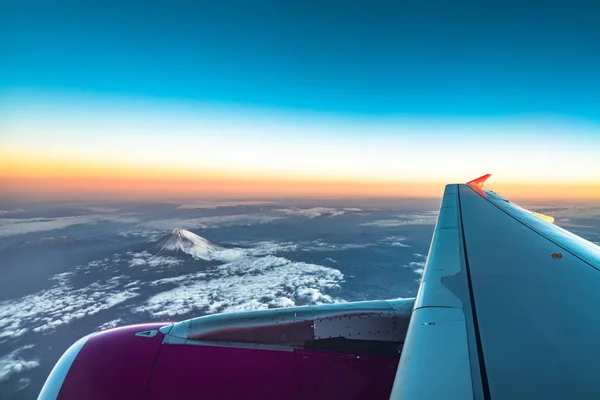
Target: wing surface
(509, 307)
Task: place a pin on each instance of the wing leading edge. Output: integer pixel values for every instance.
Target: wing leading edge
(506, 309)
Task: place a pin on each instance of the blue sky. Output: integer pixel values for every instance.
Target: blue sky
(406, 92)
(412, 58)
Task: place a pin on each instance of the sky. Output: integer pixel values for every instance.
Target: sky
(134, 99)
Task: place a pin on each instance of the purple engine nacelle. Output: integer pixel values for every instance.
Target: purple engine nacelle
(115, 363)
(198, 358)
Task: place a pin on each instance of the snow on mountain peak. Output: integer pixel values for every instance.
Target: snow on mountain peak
(197, 246)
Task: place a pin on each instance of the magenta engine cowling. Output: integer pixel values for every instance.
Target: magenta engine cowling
(111, 364)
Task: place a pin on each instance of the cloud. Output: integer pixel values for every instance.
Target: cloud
(321, 245)
(399, 244)
(282, 302)
(100, 209)
(255, 279)
(218, 204)
(268, 247)
(313, 296)
(560, 210)
(48, 309)
(417, 264)
(418, 267)
(111, 324)
(13, 211)
(12, 363)
(264, 248)
(154, 229)
(244, 285)
(395, 241)
(316, 211)
(22, 384)
(151, 234)
(144, 259)
(209, 222)
(426, 218)
(16, 226)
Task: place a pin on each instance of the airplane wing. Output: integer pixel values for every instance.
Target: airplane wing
(508, 307)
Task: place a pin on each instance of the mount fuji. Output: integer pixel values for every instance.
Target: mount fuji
(181, 240)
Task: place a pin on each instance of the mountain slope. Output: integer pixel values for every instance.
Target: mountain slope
(196, 246)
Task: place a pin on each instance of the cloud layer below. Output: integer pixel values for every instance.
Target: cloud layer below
(244, 285)
(16, 226)
(13, 363)
(255, 279)
(426, 218)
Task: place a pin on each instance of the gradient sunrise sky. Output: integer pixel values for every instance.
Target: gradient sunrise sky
(298, 98)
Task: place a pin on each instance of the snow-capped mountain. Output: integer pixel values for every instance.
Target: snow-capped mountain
(197, 246)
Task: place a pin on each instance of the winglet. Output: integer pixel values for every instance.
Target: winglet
(478, 183)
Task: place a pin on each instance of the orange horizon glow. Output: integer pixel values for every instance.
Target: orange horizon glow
(88, 148)
(38, 178)
(46, 178)
(211, 188)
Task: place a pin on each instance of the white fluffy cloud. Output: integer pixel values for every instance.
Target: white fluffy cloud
(209, 222)
(417, 264)
(19, 226)
(317, 211)
(561, 210)
(254, 279)
(321, 245)
(426, 218)
(151, 234)
(418, 267)
(395, 241)
(13, 211)
(265, 248)
(243, 285)
(218, 204)
(111, 324)
(145, 259)
(46, 310)
(12, 363)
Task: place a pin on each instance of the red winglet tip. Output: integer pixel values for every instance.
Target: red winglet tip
(478, 183)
